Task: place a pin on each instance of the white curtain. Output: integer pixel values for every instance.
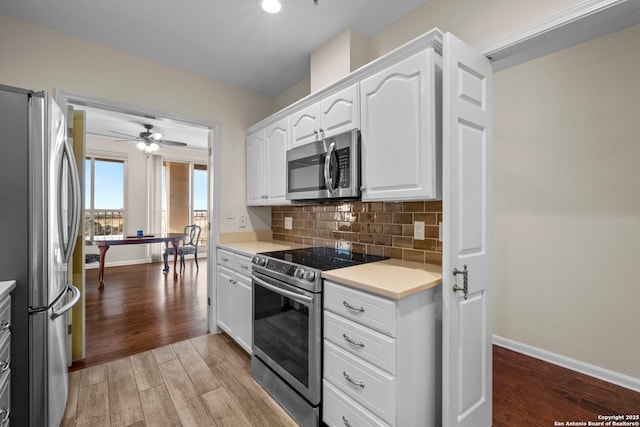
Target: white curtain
(154, 203)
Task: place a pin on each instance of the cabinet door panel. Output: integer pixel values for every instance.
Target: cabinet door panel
(341, 111)
(305, 125)
(399, 131)
(225, 290)
(256, 169)
(243, 313)
(276, 138)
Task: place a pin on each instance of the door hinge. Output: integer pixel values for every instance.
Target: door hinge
(69, 329)
(208, 300)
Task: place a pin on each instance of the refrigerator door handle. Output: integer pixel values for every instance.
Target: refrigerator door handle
(69, 243)
(74, 299)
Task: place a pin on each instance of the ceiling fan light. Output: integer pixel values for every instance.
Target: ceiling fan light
(271, 6)
(141, 146)
(153, 147)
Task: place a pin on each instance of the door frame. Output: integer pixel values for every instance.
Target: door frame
(65, 97)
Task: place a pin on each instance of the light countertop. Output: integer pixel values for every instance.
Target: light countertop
(257, 246)
(6, 287)
(392, 278)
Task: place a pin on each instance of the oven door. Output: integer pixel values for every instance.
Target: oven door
(287, 333)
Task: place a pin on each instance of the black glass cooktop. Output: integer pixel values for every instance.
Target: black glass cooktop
(322, 258)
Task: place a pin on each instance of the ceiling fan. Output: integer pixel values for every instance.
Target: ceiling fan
(148, 141)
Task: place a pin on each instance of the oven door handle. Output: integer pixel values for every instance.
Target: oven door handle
(294, 296)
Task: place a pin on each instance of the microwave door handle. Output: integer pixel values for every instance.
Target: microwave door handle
(328, 179)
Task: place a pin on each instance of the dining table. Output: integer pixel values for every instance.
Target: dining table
(105, 242)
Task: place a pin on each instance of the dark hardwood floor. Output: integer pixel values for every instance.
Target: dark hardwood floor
(530, 392)
(142, 309)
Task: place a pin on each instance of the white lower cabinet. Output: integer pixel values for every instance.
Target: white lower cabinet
(5, 361)
(233, 300)
(381, 358)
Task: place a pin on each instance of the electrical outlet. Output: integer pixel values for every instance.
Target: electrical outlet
(418, 230)
(243, 222)
(288, 223)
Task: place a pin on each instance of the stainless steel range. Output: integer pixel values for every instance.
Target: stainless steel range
(287, 324)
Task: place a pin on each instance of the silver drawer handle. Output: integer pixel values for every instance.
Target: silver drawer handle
(350, 341)
(225, 259)
(356, 383)
(5, 415)
(350, 307)
(346, 421)
(4, 366)
(246, 267)
(5, 325)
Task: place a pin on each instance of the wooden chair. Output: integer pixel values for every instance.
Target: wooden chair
(188, 247)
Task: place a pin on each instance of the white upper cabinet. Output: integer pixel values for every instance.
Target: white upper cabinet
(400, 130)
(334, 114)
(340, 112)
(266, 165)
(277, 136)
(305, 125)
(256, 168)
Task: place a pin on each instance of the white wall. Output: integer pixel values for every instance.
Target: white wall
(567, 202)
(36, 58)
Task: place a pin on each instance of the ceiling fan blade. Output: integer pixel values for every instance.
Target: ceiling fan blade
(122, 133)
(174, 143)
(127, 140)
(155, 136)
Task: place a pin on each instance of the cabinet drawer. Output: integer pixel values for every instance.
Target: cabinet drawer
(339, 410)
(374, 347)
(362, 307)
(371, 387)
(243, 264)
(226, 258)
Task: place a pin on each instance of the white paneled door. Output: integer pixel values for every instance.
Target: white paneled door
(466, 377)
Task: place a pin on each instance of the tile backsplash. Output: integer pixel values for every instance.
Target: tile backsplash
(379, 228)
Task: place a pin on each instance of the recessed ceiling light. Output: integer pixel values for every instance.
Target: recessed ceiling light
(271, 6)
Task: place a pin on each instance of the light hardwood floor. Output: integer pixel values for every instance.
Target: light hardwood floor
(147, 365)
(203, 381)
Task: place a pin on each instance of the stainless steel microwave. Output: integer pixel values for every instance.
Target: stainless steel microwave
(325, 169)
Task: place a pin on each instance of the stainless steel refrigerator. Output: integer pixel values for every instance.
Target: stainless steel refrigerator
(39, 216)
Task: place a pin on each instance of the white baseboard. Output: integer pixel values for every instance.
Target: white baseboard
(118, 263)
(603, 374)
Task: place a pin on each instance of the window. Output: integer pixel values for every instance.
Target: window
(184, 198)
(200, 209)
(104, 197)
